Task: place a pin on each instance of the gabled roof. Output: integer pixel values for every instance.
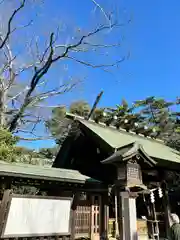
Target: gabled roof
(41, 173)
(117, 139)
(127, 152)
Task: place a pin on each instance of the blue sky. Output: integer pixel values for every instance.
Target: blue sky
(152, 39)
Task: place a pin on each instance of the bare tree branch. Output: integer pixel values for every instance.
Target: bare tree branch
(97, 66)
(102, 10)
(34, 81)
(39, 73)
(23, 26)
(9, 31)
(23, 91)
(10, 67)
(36, 139)
(102, 45)
(9, 64)
(60, 90)
(19, 103)
(90, 34)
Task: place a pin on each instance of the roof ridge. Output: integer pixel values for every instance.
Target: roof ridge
(115, 128)
(131, 132)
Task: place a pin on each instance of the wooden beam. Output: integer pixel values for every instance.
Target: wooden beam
(95, 105)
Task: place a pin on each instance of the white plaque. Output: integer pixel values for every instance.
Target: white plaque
(37, 217)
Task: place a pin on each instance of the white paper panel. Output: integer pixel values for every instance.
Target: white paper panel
(31, 216)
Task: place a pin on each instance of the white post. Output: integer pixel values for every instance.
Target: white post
(129, 217)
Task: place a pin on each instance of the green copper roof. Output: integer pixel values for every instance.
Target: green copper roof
(43, 173)
(119, 138)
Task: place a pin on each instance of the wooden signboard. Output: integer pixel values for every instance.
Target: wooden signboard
(134, 175)
(35, 216)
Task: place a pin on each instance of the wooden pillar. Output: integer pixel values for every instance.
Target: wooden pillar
(3, 208)
(106, 207)
(73, 214)
(104, 216)
(166, 207)
(5, 184)
(128, 223)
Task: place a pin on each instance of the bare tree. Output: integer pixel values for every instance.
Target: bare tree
(20, 103)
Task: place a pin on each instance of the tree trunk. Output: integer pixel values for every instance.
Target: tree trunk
(2, 108)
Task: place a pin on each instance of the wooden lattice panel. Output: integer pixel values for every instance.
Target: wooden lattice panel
(83, 219)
